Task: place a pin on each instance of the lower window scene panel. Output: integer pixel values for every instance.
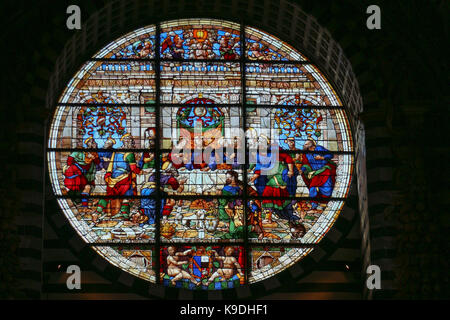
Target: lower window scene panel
(105, 220)
(290, 220)
(268, 261)
(210, 267)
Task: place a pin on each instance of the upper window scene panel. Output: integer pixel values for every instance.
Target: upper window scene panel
(200, 39)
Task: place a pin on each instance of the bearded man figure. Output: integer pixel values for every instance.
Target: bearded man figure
(120, 180)
(318, 172)
(79, 173)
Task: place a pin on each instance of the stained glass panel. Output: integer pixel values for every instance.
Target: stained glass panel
(212, 267)
(202, 220)
(268, 261)
(200, 39)
(288, 84)
(108, 220)
(137, 260)
(104, 126)
(111, 82)
(138, 44)
(262, 46)
(201, 126)
(291, 128)
(184, 81)
(291, 221)
(101, 171)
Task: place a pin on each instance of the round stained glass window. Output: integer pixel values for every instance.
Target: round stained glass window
(200, 154)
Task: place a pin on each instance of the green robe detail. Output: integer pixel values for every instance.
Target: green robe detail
(130, 158)
(79, 157)
(274, 176)
(148, 165)
(223, 216)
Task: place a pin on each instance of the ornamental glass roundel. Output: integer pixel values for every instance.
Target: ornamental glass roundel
(200, 154)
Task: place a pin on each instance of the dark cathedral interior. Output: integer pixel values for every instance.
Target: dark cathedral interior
(389, 239)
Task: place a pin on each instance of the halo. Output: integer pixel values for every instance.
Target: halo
(125, 136)
(87, 140)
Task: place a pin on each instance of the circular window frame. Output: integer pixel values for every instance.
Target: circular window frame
(325, 248)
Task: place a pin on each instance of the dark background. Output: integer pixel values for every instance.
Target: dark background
(403, 77)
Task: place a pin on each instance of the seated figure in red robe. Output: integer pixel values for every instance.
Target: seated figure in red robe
(79, 173)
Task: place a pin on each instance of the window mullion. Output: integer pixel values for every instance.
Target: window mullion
(244, 169)
(157, 154)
